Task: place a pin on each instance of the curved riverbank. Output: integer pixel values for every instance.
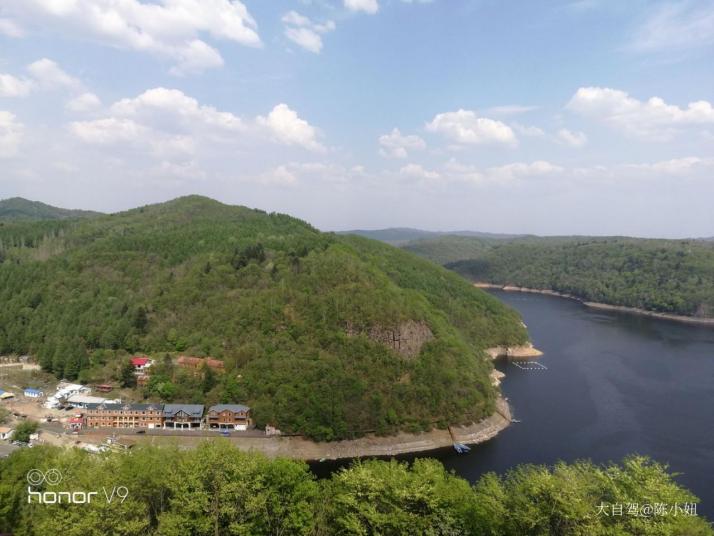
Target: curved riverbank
(602, 306)
(300, 448)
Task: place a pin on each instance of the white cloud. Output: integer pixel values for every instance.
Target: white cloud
(574, 139)
(49, 75)
(109, 131)
(10, 28)
(86, 102)
(676, 26)
(676, 166)
(368, 6)
(287, 127)
(396, 145)
(510, 109)
(305, 33)
(11, 132)
(464, 126)
(417, 171)
(45, 74)
(280, 176)
(528, 130)
(168, 125)
(11, 86)
(652, 119)
(162, 104)
(115, 131)
(519, 170)
(166, 28)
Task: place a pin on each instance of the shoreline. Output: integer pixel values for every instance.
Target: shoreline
(602, 306)
(299, 448)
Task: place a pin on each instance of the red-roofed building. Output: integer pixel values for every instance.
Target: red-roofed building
(75, 423)
(141, 363)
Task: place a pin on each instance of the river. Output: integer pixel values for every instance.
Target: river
(615, 384)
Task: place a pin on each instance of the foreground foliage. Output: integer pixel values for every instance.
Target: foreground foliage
(287, 308)
(217, 489)
(667, 276)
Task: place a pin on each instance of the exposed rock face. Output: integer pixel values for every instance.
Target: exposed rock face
(516, 352)
(406, 339)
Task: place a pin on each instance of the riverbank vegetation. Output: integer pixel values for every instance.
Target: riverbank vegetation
(310, 325)
(217, 489)
(664, 276)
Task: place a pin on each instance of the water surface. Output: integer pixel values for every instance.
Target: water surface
(615, 384)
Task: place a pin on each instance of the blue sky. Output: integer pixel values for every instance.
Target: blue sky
(549, 117)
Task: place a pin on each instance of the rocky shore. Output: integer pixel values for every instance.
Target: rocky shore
(300, 448)
(374, 446)
(603, 306)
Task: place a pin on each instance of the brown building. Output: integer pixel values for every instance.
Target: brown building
(182, 416)
(106, 415)
(228, 417)
(197, 363)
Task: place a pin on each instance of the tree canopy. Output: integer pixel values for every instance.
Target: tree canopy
(305, 322)
(217, 489)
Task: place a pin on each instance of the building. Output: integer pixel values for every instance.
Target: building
(31, 392)
(183, 416)
(104, 387)
(228, 417)
(109, 415)
(196, 364)
(4, 395)
(141, 363)
(5, 432)
(65, 390)
(81, 401)
(75, 423)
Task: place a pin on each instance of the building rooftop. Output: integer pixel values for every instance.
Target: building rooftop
(194, 410)
(230, 407)
(113, 406)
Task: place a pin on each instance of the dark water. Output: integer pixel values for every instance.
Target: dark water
(615, 384)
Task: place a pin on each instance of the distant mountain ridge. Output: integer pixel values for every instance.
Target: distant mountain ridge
(398, 236)
(18, 208)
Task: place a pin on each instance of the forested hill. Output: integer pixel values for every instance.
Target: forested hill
(17, 208)
(668, 276)
(321, 334)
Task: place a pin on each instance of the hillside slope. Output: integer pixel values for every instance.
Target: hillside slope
(321, 334)
(665, 276)
(17, 208)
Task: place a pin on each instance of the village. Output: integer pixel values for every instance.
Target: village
(86, 416)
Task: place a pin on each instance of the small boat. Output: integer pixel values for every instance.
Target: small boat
(461, 448)
(515, 420)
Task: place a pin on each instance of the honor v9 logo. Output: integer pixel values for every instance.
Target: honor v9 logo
(53, 477)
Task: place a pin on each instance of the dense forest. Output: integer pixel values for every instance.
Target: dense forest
(309, 324)
(17, 208)
(219, 490)
(667, 276)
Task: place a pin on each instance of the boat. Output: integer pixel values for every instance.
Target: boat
(461, 448)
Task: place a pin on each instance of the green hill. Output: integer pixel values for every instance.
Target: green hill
(321, 334)
(668, 276)
(17, 208)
